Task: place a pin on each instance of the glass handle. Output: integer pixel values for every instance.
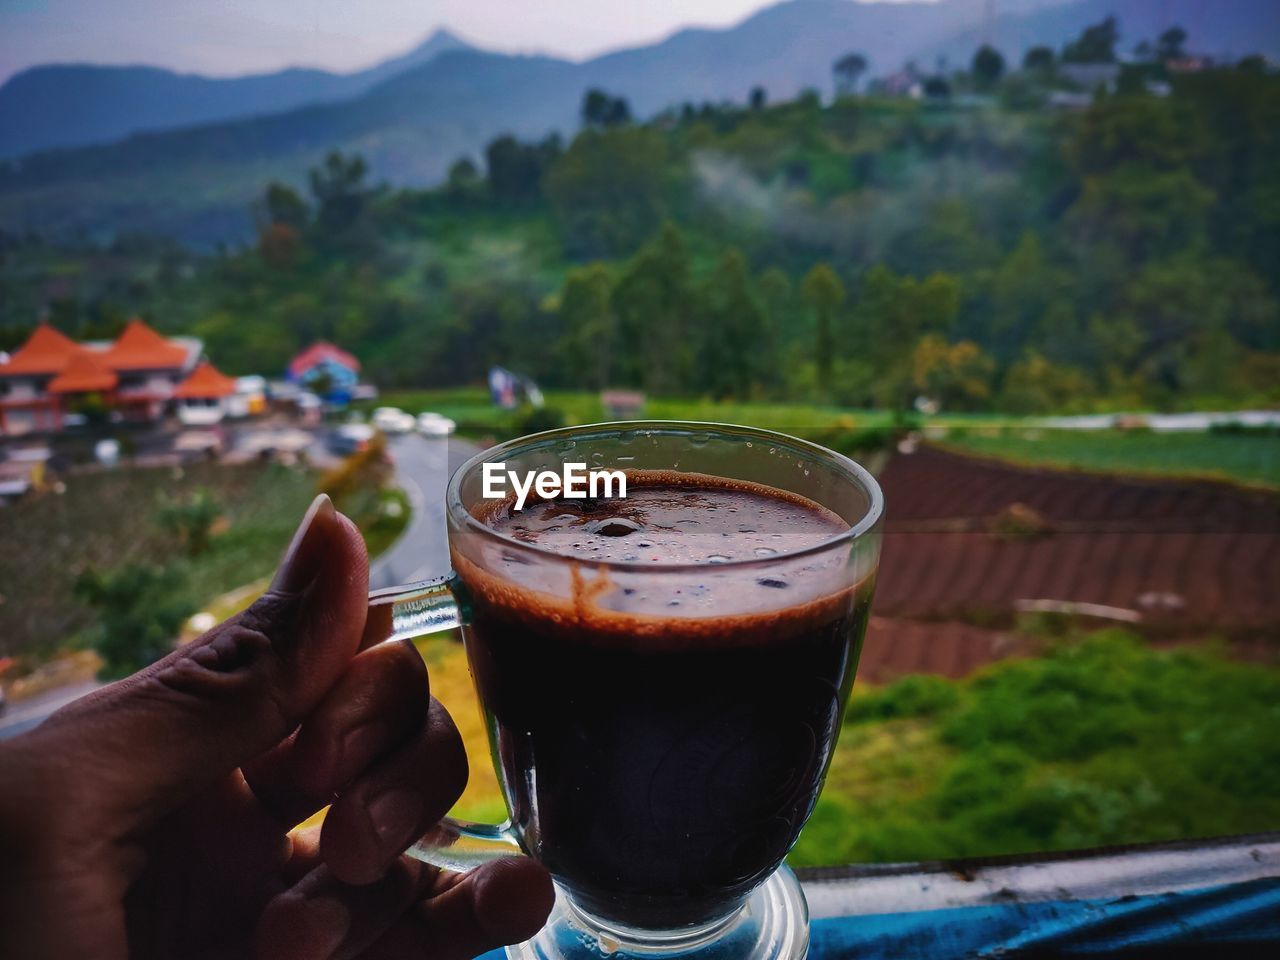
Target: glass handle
(417, 610)
(460, 845)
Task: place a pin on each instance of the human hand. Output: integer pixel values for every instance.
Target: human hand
(153, 817)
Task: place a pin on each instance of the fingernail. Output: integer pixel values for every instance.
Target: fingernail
(359, 747)
(324, 926)
(394, 816)
(302, 560)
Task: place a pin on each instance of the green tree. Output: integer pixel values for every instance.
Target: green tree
(515, 170)
(284, 205)
(1033, 384)
(600, 110)
(988, 66)
(1097, 44)
(1171, 44)
(608, 190)
(139, 614)
(757, 99)
(1029, 299)
(957, 375)
(340, 192)
(654, 303)
(464, 177)
(191, 521)
(824, 295)
(737, 344)
(1182, 313)
(893, 313)
(590, 326)
(1038, 60)
(848, 69)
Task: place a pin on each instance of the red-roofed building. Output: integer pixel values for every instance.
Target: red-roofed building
(25, 404)
(327, 370)
(135, 376)
(201, 398)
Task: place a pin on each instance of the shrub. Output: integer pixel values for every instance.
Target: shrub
(139, 612)
(538, 419)
(191, 521)
(919, 695)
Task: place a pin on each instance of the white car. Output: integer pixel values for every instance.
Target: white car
(435, 425)
(392, 420)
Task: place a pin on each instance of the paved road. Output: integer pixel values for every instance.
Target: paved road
(423, 468)
(25, 714)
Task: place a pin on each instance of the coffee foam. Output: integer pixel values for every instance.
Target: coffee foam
(695, 604)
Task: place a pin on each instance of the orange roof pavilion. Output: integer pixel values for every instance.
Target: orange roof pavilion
(140, 348)
(85, 372)
(47, 350)
(205, 383)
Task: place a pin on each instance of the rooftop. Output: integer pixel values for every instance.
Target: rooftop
(47, 350)
(205, 382)
(140, 348)
(84, 372)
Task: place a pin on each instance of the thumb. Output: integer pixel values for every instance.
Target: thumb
(141, 746)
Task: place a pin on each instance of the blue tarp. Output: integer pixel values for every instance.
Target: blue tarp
(1234, 920)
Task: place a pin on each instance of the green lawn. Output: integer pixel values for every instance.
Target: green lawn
(475, 412)
(1252, 458)
(1101, 741)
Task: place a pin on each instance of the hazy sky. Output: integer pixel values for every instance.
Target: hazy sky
(243, 36)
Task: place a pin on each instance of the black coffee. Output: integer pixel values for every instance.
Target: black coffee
(661, 750)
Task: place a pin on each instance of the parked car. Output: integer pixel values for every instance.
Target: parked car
(350, 438)
(392, 420)
(435, 425)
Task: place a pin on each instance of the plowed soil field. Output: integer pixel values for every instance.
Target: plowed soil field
(967, 541)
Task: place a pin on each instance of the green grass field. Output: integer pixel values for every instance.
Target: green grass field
(1101, 741)
(473, 411)
(1252, 458)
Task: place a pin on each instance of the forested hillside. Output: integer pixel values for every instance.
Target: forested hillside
(976, 247)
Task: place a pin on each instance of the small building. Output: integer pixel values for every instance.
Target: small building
(202, 398)
(327, 371)
(250, 398)
(1090, 77)
(1190, 63)
(622, 404)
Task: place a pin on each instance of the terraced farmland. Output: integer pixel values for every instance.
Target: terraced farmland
(966, 540)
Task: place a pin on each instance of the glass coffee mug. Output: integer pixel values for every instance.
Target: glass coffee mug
(660, 730)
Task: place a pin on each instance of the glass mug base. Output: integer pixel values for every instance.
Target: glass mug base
(772, 924)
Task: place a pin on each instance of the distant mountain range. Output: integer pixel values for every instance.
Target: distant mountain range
(68, 105)
(413, 115)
